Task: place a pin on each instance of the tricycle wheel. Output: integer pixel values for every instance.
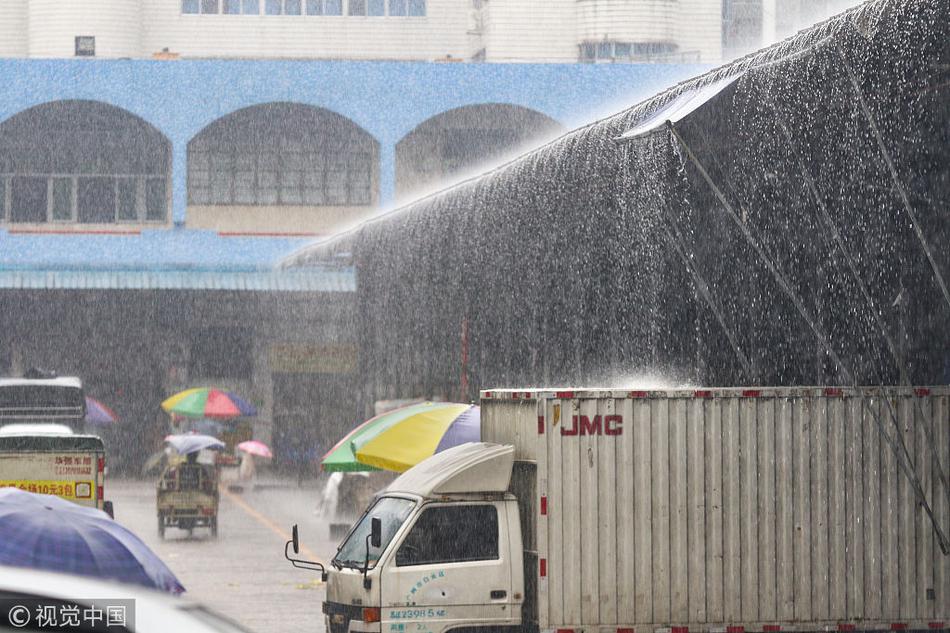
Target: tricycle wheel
(161, 526)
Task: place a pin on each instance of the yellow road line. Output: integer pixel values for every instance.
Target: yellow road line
(267, 522)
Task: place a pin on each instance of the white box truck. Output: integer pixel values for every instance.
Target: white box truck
(39, 451)
(720, 510)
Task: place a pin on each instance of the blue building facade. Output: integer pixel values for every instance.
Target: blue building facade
(144, 304)
(386, 99)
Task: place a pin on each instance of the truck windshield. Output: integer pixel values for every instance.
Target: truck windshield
(392, 511)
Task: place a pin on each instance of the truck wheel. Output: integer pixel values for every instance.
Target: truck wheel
(161, 526)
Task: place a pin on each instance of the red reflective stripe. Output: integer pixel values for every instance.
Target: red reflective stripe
(564, 630)
(936, 625)
(543, 567)
(751, 393)
(638, 394)
(679, 629)
(771, 628)
(487, 394)
(846, 627)
(834, 391)
(564, 394)
(702, 394)
(544, 505)
(735, 629)
(514, 395)
(898, 626)
(540, 425)
(102, 464)
(921, 391)
(623, 630)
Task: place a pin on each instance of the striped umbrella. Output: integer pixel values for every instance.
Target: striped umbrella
(208, 402)
(402, 438)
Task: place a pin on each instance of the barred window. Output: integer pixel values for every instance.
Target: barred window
(282, 154)
(82, 161)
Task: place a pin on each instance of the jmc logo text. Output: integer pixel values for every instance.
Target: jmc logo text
(584, 425)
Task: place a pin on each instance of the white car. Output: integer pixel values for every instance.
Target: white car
(23, 592)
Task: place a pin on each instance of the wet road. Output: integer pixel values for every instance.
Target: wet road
(241, 574)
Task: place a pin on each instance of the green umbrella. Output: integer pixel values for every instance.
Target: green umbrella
(340, 458)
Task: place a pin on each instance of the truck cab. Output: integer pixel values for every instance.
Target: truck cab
(438, 550)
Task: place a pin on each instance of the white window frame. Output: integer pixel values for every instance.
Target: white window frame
(141, 198)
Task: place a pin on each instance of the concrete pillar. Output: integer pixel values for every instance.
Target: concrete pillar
(179, 180)
(387, 172)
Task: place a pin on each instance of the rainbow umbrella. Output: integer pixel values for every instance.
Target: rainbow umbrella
(98, 413)
(405, 437)
(208, 402)
(341, 457)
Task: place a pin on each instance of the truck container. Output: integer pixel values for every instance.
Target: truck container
(39, 449)
(717, 510)
(62, 464)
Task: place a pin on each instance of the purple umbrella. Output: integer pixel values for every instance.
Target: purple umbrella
(466, 428)
(46, 532)
(98, 413)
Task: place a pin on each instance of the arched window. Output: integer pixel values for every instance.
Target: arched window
(82, 162)
(283, 154)
(461, 139)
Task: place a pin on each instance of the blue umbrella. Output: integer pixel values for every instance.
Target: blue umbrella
(192, 443)
(46, 532)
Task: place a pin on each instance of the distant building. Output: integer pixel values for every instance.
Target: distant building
(418, 30)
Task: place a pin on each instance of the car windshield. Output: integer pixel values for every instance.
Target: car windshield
(392, 511)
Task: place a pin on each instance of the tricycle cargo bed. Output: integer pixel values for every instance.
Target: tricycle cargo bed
(757, 509)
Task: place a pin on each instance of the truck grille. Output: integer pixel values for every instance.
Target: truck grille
(339, 615)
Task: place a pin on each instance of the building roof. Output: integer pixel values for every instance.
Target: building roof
(159, 259)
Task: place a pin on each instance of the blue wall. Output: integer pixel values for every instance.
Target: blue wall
(388, 99)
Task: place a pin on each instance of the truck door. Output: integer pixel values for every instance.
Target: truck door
(450, 570)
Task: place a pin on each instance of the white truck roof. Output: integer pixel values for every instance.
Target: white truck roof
(467, 468)
(60, 381)
(35, 429)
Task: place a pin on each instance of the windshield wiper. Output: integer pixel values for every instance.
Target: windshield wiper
(348, 564)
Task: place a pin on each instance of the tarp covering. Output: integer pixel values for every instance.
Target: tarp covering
(793, 232)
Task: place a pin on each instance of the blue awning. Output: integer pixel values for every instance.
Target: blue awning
(302, 280)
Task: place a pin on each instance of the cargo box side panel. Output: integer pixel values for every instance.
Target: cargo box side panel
(512, 422)
(713, 473)
(607, 450)
(588, 545)
(642, 512)
(739, 511)
(555, 524)
(941, 579)
(873, 542)
(678, 465)
(626, 530)
(696, 510)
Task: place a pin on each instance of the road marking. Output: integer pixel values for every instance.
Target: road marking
(266, 522)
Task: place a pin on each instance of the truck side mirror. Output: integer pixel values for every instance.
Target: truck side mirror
(108, 508)
(376, 532)
(312, 565)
